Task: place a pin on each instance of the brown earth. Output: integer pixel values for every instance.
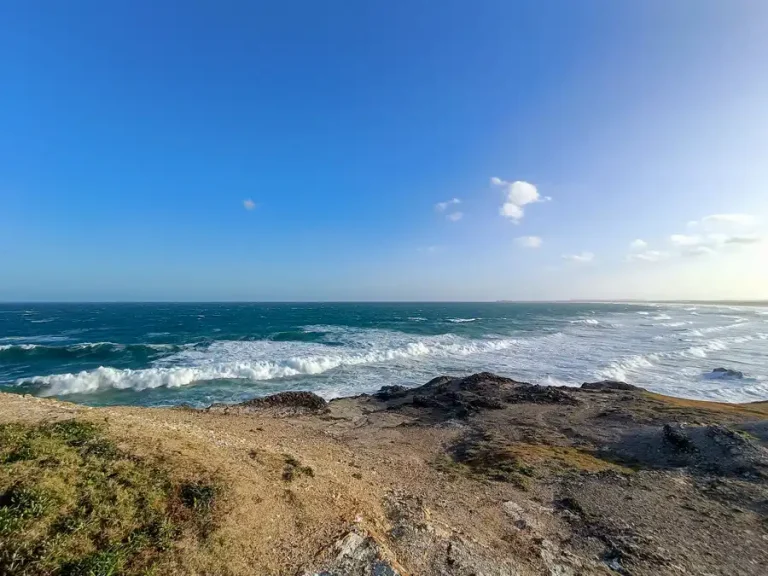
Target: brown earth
(474, 476)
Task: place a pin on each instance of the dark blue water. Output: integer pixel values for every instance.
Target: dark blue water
(159, 354)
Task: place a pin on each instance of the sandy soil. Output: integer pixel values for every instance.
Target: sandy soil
(482, 475)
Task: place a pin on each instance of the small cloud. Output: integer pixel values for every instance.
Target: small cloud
(443, 206)
(714, 220)
(700, 250)
(430, 249)
(518, 194)
(249, 204)
(455, 216)
(682, 240)
(583, 257)
(638, 244)
(529, 241)
(648, 256)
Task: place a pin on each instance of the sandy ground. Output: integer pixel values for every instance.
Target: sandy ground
(476, 476)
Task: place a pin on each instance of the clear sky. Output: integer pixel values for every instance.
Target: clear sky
(383, 150)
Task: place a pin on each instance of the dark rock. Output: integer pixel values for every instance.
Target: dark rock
(472, 382)
(286, 403)
(727, 373)
(539, 395)
(709, 450)
(391, 392)
(438, 381)
(676, 436)
(608, 385)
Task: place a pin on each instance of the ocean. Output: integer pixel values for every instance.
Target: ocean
(168, 354)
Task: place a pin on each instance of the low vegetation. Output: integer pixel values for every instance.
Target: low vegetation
(518, 462)
(72, 503)
(294, 469)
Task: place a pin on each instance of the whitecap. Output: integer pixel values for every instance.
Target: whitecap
(252, 361)
(587, 321)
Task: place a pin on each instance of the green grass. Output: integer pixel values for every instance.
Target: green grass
(72, 503)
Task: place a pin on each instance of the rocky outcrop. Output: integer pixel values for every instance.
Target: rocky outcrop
(727, 373)
(282, 404)
(604, 385)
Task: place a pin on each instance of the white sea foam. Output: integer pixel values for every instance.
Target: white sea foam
(668, 356)
(254, 361)
(19, 346)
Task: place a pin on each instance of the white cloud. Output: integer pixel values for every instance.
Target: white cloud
(583, 257)
(700, 245)
(699, 250)
(443, 206)
(638, 244)
(518, 194)
(455, 216)
(430, 249)
(682, 240)
(249, 204)
(648, 256)
(529, 241)
(715, 220)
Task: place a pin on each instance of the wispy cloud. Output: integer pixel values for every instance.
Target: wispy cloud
(706, 244)
(443, 206)
(648, 256)
(249, 204)
(430, 249)
(455, 216)
(743, 240)
(517, 195)
(638, 244)
(529, 241)
(718, 220)
(583, 257)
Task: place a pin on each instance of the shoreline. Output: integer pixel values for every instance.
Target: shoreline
(480, 474)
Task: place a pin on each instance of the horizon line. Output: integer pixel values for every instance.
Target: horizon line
(497, 301)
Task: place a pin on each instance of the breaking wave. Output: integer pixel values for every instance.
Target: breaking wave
(253, 361)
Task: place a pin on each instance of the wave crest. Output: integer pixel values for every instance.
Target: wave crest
(245, 361)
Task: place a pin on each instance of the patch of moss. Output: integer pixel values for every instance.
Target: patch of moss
(489, 458)
(563, 458)
(294, 469)
(73, 504)
(517, 462)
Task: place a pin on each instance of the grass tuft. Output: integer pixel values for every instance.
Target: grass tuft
(74, 504)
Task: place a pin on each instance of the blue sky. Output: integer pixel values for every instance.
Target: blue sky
(132, 133)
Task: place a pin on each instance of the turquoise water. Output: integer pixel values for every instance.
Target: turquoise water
(165, 354)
